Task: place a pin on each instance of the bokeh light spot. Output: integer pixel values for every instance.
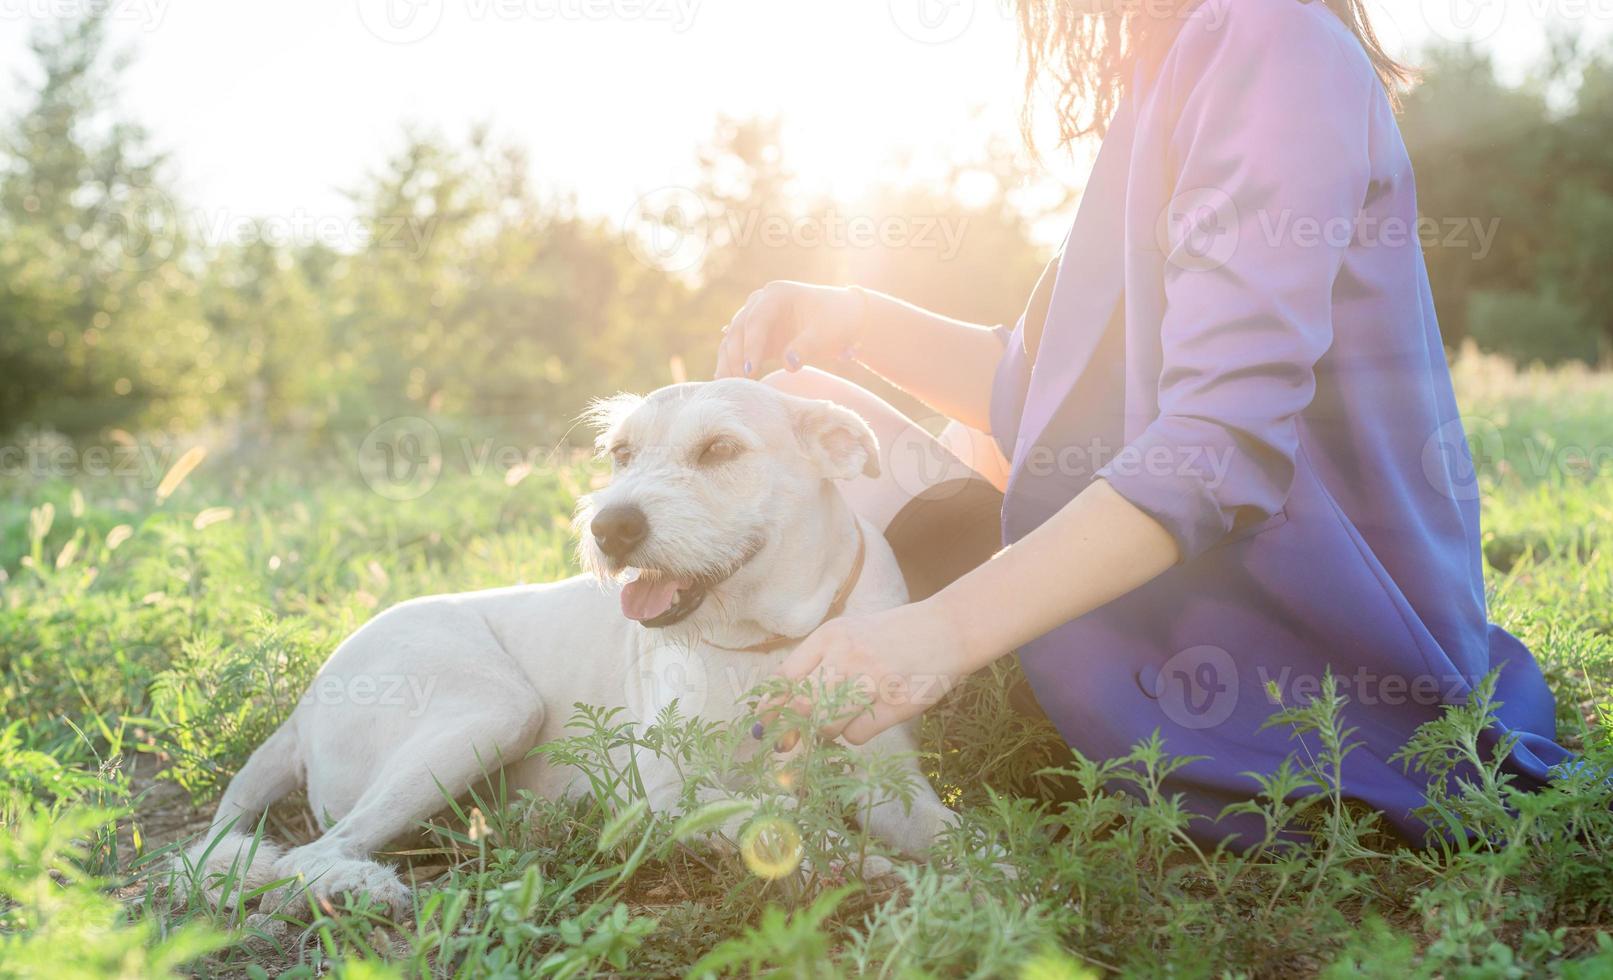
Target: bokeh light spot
(771, 848)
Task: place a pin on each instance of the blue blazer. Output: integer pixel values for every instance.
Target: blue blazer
(1240, 338)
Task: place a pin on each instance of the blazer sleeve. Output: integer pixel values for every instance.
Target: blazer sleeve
(1272, 170)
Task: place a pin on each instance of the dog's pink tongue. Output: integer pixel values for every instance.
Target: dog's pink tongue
(643, 599)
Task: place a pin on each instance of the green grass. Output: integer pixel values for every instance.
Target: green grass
(147, 645)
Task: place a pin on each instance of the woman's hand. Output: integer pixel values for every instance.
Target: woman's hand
(905, 659)
(797, 323)
(794, 322)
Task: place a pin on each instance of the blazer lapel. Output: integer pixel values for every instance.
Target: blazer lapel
(1086, 289)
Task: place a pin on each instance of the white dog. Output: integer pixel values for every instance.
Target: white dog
(724, 522)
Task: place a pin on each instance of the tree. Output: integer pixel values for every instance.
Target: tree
(95, 321)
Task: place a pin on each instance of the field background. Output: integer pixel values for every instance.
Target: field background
(193, 512)
(152, 635)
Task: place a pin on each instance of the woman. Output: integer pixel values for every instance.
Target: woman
(1232, 456)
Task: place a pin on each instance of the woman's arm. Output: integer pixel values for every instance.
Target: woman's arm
(947, 364)
(909, 657)
(1119, 547)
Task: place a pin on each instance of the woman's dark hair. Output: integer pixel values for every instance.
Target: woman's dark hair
(1085, 51)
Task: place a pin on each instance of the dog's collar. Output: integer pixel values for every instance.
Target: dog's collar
(837, 605)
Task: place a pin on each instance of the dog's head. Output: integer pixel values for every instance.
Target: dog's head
(707, 479)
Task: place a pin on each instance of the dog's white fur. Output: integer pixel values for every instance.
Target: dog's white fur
(477, 679)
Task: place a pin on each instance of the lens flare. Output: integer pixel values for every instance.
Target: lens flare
(771, 848)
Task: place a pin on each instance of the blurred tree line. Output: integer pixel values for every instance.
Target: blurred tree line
(1533, 162)
(471, 293)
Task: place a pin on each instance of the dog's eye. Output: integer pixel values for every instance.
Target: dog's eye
(621, 456)
(719, 451)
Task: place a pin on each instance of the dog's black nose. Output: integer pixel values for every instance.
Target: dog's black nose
(619, 529)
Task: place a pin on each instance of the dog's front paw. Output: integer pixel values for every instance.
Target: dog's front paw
(327, 879)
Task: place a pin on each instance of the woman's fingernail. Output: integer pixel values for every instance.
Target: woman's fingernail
(793, 360)
(786, 743)
(756, 731)
(747, 367)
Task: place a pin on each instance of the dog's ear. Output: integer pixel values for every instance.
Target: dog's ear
(836, 438)
(603, 415)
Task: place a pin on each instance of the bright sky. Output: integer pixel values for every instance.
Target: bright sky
(270, 107)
